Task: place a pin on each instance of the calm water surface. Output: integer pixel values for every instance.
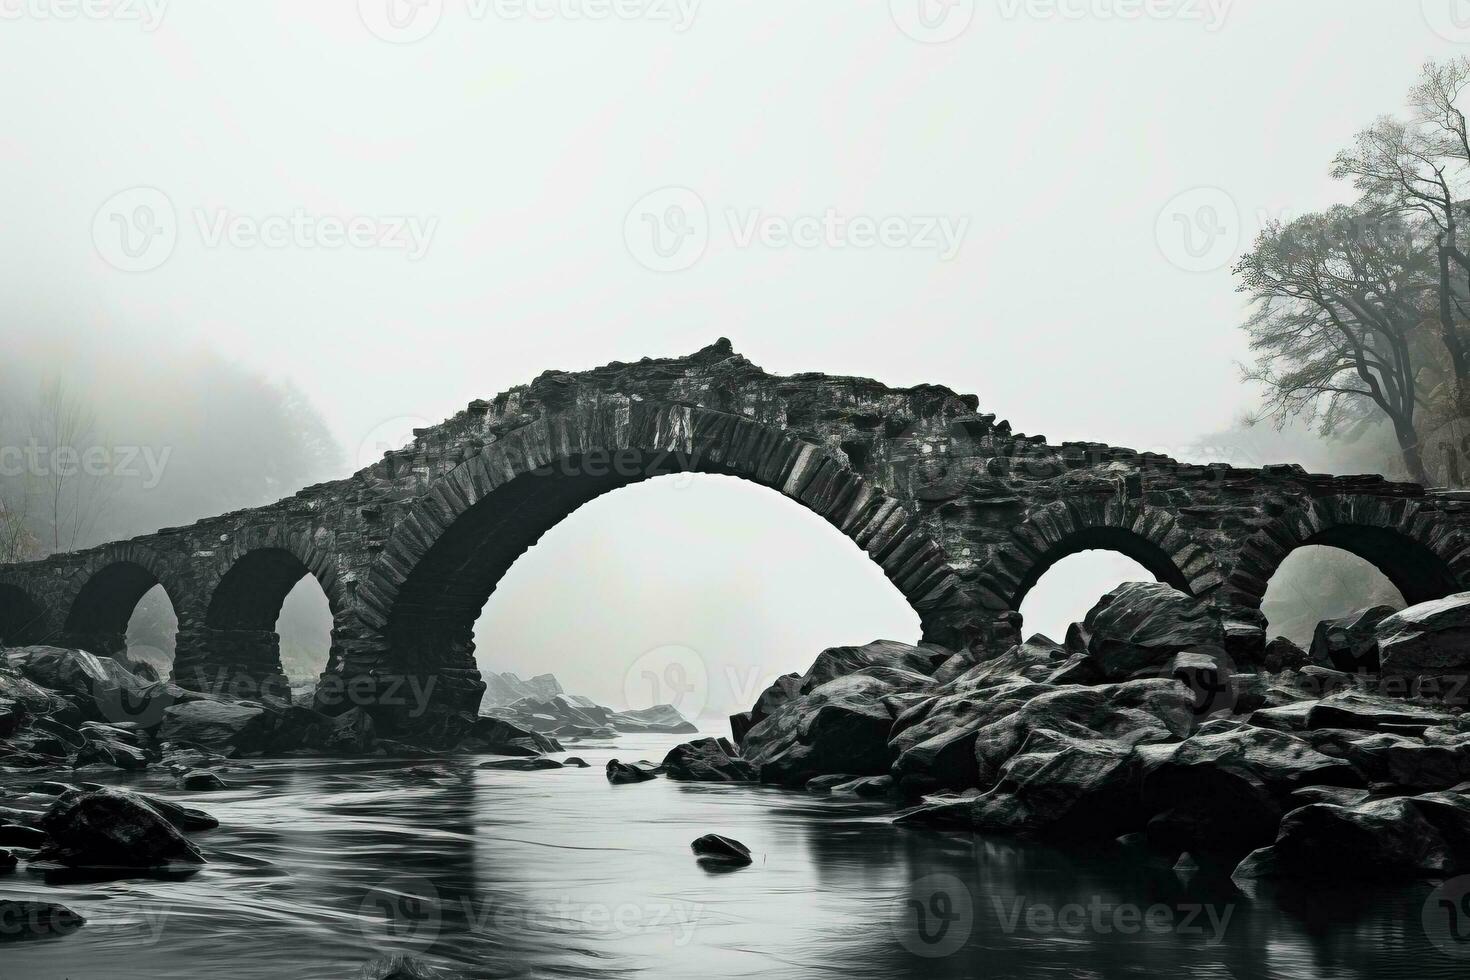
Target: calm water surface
(320, 867)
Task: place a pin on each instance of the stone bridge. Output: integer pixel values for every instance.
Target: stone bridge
(962, 514)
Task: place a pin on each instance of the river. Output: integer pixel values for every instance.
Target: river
(321, 866)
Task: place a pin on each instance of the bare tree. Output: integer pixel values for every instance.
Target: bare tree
(1420, 166)
(1337, 300)
(62, 445)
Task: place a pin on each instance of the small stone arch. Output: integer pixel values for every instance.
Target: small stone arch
(232, 639)
(1147, 535)
(270, 555)
(1423, 556)
(108, 587)
(446, 554)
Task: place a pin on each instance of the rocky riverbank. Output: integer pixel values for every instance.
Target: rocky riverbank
(1347, 760)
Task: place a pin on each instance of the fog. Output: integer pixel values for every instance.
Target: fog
(265, 240)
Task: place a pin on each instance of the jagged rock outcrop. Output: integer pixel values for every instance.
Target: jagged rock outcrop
(507, 688)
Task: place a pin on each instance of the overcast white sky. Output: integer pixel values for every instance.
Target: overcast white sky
(1026, 174)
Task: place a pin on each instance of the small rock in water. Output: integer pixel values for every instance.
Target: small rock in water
(867, 786)
(522, 765)
(15, 835)
(202, 780)
(825, 784)
(404, 968)
(618, 773)
(576, 761)
(720, 850)
(36, 920)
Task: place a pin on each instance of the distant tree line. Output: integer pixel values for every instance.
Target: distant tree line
(1361, 314)
(94, 451)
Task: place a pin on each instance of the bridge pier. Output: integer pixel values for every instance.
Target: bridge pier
(243, 663)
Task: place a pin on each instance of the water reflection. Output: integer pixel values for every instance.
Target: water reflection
(320, 867)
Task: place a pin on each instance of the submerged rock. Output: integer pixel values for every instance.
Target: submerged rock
(405, 968)
(36, 920)
(708, 760)
(17, 835)
(202, 780)
(522, 765)
(105, 829)
(620, 773)
(720, 850)
(1397, 838)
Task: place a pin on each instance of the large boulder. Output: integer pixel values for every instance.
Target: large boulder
(1057, 785)
(501, 737)
(106, 829)
(1350, 643)
(1426, 649)
(933, 741)
(103, 688)
(230, 728)
(1140, 712)
(1396, 838)
(1374, 713)
(1227, 792)
(1137, 627)
(842, 726)
(835, 662)
(708, 760)
(1038, 659)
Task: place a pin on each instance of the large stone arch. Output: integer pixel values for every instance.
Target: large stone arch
(230, 640)
(1148, 535)
(107, 588)
(1424, 556)
(446, 555)
(23, 619)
